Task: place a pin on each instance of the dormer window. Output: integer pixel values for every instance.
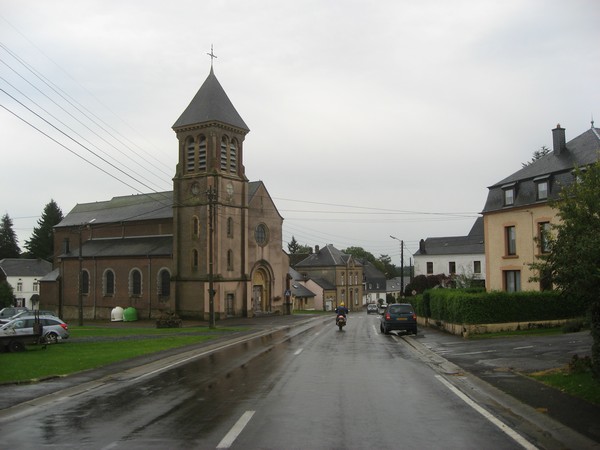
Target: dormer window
(509, 194)
(542, 187)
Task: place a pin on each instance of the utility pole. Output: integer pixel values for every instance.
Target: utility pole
(401, 265)
(212, 196)
(80, 277)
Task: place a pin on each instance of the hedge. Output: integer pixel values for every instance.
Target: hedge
(468, 307)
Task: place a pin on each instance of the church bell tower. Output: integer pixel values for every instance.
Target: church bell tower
(209, 184)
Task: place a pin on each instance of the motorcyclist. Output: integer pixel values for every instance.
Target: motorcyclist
(341, 310)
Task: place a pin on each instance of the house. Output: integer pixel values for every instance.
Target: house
(211, 248)
(393, 287)
(24, 275)
(462, 256)
(338, 270)
(517, 212)
(374, 283)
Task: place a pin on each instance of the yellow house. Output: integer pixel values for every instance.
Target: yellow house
(517, 211)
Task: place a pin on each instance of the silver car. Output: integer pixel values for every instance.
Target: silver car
(53, 329)
(28, 313)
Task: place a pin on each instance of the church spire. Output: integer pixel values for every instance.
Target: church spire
(211, 104)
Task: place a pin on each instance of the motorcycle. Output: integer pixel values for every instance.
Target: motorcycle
(340, 321)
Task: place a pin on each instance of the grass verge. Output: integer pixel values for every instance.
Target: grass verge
(580, 384)
(97, 347)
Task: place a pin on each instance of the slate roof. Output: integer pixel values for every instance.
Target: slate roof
(122, 209)
(20, 267)
(455, 245)
(210, 104)
(326, 257)
(129, 208)
(580, 151)
(299, 290)
(324, 284)
(124, 247)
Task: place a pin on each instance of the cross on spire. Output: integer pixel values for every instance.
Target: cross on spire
(212, 56)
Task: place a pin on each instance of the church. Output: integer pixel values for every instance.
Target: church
(215, 233)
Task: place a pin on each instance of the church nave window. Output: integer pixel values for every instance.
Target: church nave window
(164, 283)
(135, 283)
(108, 283)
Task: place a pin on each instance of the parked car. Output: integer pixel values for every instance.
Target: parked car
(372, 308)
(10, 311)
(54, 329)
(400, 317)
(27, 312)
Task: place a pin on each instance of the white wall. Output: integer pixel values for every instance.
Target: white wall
(27, 290)
(464, 264)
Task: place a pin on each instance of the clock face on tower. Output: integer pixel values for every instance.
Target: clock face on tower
(195, 188)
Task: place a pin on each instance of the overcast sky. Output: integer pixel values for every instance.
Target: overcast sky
(367, 118)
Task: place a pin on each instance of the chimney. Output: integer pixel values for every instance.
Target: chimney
(422, 247)
(316, 249)
(558, 140)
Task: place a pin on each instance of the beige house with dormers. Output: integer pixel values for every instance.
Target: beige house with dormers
(165, 251)
(517, 211)
(342, 272)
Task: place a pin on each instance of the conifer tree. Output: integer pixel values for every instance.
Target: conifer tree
(9, 244)
(41, 244)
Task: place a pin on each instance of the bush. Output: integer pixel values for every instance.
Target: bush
(475, 307)
(580, 365)
(572, 326)
(168, 320)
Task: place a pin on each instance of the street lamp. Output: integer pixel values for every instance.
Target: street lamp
(401, 265)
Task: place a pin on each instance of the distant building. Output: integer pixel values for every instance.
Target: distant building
(374, 282)
(341, 271)
(453, 255)
(517, 211)
(24, 276)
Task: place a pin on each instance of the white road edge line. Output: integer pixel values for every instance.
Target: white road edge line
(501, 425)
(189, 358)
(297, 352)
(236, 430)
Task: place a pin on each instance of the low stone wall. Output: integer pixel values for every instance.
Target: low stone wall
(465, 330)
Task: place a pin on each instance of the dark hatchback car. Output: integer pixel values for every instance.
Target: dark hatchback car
(399, 317)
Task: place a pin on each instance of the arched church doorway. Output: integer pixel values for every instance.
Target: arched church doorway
(261, 292)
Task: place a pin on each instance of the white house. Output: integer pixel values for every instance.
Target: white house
(24, 275)
(453, 255)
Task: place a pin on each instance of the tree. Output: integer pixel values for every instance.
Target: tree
(7, 298)
(543, 151)
(9, 244)
(293, 246)
(384, 263)
(360, 253)
(573, 261)
(41, 244)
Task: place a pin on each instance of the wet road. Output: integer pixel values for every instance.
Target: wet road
(314, 388)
